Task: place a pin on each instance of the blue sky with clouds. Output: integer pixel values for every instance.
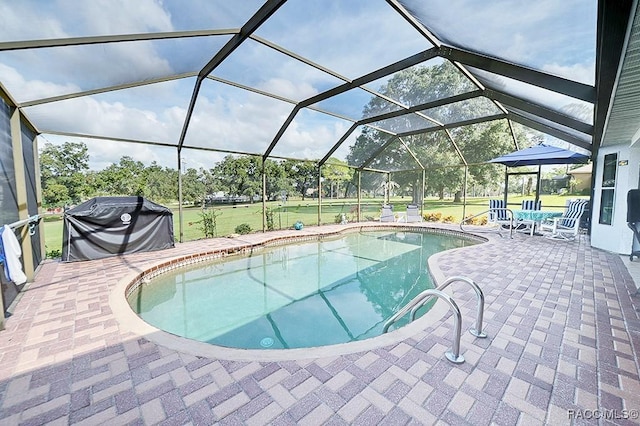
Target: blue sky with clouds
(351, 38)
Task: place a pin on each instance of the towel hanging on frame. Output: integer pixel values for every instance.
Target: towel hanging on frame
(12, 252)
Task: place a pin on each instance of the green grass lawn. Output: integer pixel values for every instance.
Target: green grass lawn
(307, 212)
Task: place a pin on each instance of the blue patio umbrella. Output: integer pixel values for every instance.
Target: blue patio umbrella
(538, 155)
(541, 155)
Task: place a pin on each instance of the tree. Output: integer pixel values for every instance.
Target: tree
(238, 176)
(209, 181)
(55, 194)
(125, 178)
(130, 177)
(366, 144)
(278, 180)
(193, 186)
(63, 166)
(304, 175)
(442, 162)
(95, 185)
(337, 173)
(436, 151)
(161, 184)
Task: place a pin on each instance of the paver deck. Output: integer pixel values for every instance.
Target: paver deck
(563, 321)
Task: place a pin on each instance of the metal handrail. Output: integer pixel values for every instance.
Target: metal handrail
(475, 331)
(509, 214)
(31, 221)
(454, 354)
(403, 311)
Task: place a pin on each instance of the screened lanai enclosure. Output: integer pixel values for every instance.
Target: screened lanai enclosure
(405, 91)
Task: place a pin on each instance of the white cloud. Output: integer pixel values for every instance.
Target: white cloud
(220, 121)
(309, 139)
(16, 84)
(352, 38)
(244, 124)
(120, 16)
(584, 73)
(90, 116)
(288, 88)
(90, 66)
(31, 19)
(22, 21)
(535, 34)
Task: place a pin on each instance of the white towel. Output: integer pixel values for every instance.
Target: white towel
(12, 253)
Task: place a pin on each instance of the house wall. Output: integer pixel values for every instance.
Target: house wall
(616, 237)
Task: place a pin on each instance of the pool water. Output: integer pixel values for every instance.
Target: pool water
(308, 294)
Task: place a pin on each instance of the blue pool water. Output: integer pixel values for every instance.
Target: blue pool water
(308, 294)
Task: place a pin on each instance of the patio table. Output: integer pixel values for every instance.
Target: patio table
(534, 217)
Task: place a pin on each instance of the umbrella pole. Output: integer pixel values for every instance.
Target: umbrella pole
(506, 184)
(538, 183)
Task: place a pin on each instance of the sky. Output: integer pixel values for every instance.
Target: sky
(350, 38)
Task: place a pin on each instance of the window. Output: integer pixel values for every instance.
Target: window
(608, 188)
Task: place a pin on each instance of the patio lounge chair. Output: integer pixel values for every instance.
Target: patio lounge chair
(413, 214)
(386, 215)
(499, 214)
(567, 226)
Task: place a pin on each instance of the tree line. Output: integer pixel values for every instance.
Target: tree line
(66, 178)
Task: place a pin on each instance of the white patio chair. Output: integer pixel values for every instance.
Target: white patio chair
(498, 214)
(567, 226)
(386, 214)
(413, 214)
(531, 205)
(528, 225)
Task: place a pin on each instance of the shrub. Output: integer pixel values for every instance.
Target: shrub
(469, 221)
(432, 217)
(243, 229)
(478, 220)
(53, 254)
(207, 222)
(448, 219)
(353, 214)
(269, 216)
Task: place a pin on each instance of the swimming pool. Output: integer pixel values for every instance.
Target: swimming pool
(327, 291)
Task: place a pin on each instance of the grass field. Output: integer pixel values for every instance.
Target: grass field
(307, 212)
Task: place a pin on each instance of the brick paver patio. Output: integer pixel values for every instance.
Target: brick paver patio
(563, 321)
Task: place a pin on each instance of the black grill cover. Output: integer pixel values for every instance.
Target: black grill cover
(109, 226)
(633, 206)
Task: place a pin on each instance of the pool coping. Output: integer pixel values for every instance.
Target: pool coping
(131, 322)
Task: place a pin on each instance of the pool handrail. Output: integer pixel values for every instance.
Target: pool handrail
(475, 331)
(454, 354)
(509, 214)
